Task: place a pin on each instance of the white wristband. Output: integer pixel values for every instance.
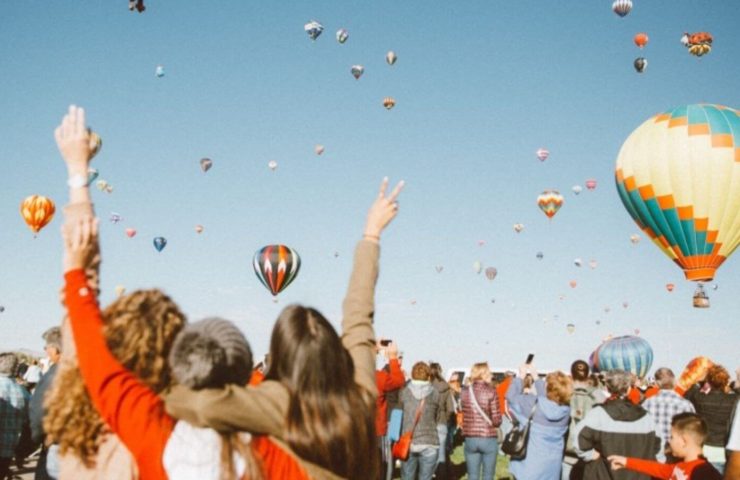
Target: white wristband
(77, 181)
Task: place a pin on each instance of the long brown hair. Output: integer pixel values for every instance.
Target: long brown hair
(331, 420)
(139, 330)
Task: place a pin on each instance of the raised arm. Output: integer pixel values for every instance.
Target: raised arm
(358, 336)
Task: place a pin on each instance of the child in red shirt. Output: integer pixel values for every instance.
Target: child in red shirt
(688, 432)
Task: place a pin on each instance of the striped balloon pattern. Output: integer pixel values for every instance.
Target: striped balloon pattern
(550, 202)
(678, 175)
(622, 7)
(37, 211)
(629, 353)
(276, 266)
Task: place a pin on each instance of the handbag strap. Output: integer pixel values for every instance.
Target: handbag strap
(477, 407)
(418, 415)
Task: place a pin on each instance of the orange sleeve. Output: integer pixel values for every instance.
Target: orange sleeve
(256, 378)
(501, 390)
(131, 409)
(634, 395)
(395, 379)
(649, 467)
(651, 391)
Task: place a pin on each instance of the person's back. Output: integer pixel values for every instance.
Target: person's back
(13, 410)
(666, 404)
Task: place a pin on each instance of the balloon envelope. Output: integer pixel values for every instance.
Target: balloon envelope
(357, 71)
(591, 184)
(477, 266)
(160, 243)
(318, 149)
(630, 353)
(313, 29)
(542, 154)
(641, 39)
(640, 64)
(389, 102)
(206, 164)
(675, 176)
(272, 164)
(622, 7)
(550, 202)
(130, 232)
(37, 211)
(276, 266)
(390, 57)
(571, 328)
(518, 227)
(577, 189)
(491, 273)
(669, 287)
(342, 35)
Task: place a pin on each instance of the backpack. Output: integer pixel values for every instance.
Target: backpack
(581, 403)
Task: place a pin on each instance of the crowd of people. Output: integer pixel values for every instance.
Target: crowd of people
(135, 390)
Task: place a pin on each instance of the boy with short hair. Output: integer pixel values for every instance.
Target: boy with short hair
(688, 432)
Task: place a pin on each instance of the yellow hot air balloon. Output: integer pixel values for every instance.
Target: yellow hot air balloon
(678, 175)
(37, 211)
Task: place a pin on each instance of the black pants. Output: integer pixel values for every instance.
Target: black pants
(4, 467)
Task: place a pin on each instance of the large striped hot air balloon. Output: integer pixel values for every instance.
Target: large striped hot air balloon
(622, 7)
(677, 175)
(629, 353)
(550, 202)
(276, 266)
(37, 211)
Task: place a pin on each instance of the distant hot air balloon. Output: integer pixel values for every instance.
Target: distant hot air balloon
(518, 227)
(540, 256)
(674, 176)
(573, 284)
(160, 243)
(342, 35)
(318, 149)
(491, 273)
(481, 243)
(550, 202)
(92, 174)
(640, 64)
(715, 287)
(629, 353)
(641, 39)
(37, 211)
(390, 57)
(699, 43)
(477, 266)
(696, 369)
(276, 266)
(542, 154)
(669, 287)
(577, 189)
(96, 143)
(592, 263)
(598, 322)
(571, 328)
(389, 102)
(591, 184)
(637, 331)
(206, 164)
(2, 309)
(577, 262)
(159, 71)
(130, 232)
(313, 29)
(199, 229)
(625, 304)
(607, 309)
(635, 239)
(120, 290)
(272, 164)
(412, 301)
(357, 71)
(622, 7)
(439, 268)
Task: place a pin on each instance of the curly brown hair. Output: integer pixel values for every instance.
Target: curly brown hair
(139, 330)
(718, 377)
(559, 388)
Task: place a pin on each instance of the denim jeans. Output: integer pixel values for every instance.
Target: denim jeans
(481, 450)
(425, 462)
(442, 434)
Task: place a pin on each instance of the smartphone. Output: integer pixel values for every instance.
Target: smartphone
(385, 343)
(530, 357)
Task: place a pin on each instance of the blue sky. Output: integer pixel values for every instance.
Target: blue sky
(480, 86)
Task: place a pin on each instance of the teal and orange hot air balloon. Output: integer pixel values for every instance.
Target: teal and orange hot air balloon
(677, 177)
(550, 202)
(276, 266)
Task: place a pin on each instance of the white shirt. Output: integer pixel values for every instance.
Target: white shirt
(33, 374)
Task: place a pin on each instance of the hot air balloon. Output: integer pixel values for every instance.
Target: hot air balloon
(591, 184)
(318, 149)
(696, 369)
(540, 256)
(715, 287)
(542, 154)
(699, 43)
(96, 143)
(477, 266)
(313, 29)
(412, 301)
(160, 243)
(272, 164)
(439, 268)
(640, 64)
(2, 309)
(669, 287)
(675, 174)
(573, 284)
(276, 266)
(159, 71)
(635, 239)
(491, 273)
(336, 254)
(701, 300)
(607, 309)
(357, 71)
(598, 322)
(342, 35)
(577, 189)
(625, 304)
(481, 243)
(571, 328)
(592, 263)
(622, 7)
(390, 57)
(120, 290)
(637, 331)
(199, 229)
(577, 262)
(92, 174)
(115, 217)
(641, 39)
(518, 227)
(130, 232)
(37, 211)
(550, 202)
(629, 353)
(206, 164)
(389, 102)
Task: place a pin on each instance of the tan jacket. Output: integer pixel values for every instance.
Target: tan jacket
(263, 409)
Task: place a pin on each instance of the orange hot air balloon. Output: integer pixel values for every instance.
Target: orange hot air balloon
(641, 39)
(669, 287)
(37, 211)
(695, 370)
(573, 284)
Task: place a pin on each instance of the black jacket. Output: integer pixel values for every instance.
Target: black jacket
(716, 409)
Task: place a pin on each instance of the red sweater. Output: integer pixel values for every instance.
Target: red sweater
(386, 382)
(676, 471)
(129, 407)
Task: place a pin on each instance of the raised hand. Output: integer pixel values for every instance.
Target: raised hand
(382, 211)
(73, 140)
(79, 243)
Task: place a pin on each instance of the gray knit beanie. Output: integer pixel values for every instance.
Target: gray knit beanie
(211, 353)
